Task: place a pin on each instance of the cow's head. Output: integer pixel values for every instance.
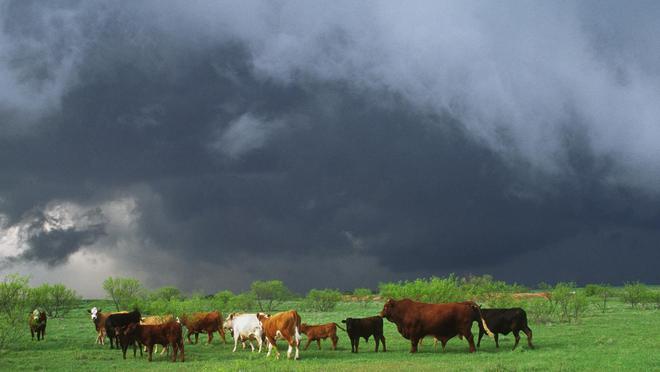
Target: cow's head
(35, 314)
(94, 313)
(304, 327)
(128, 330)
(262, 316)
(388, 309)
(349, 323)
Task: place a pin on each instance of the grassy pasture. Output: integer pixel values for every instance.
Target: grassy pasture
(620, 339)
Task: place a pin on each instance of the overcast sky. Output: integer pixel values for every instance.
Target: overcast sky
(207, 144)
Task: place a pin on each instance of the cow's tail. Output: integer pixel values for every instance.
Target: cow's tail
(340, 327)
(483, 321)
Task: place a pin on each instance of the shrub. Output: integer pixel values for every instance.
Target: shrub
(539, 310)
(57, 300)
(635, 293)
(602, 291)
(244, 302)
(363, 295)
(435, 290)
(322, 299)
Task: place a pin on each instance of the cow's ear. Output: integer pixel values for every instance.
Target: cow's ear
(343, 321)
(89, 311)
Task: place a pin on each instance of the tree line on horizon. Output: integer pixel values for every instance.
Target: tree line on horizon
(566, 302)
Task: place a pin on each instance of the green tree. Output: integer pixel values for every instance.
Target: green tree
(269, 293)
(14, 306)
(635, 293)
(322, 299)
(167, 293)
(124, 292)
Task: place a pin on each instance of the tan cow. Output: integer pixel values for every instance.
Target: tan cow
(285, 325)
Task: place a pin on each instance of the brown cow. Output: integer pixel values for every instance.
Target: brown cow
(168, 334)
(208, 323)
(285, 325)
(414, 320)
(156, 320)
(320, 332)
(37, 323)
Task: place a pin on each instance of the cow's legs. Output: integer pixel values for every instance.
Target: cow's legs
(516, 334)
(151, 351)
(175, 349)
(32, 333)
(260, 343)
(188, 335)
(210, 337)
(528, 333)
(334, 342)
(444, 340)
(318, 342)
(481, 334)
(497, 340)
(307, 345)
(196, 337)
(357, 343)
(470, 340)
(296, 345)
(289, 351)
(377, 342)
(236, 342)
(435, 344)
(382, 339)
(414, 341)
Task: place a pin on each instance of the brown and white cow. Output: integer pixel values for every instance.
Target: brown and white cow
(37, 323)
(208, 323)
(320, 332)
(99, 318)
(284, 325)
(414, 320)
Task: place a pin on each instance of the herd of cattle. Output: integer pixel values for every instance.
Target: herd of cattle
(414, 321)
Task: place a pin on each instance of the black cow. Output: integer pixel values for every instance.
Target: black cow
(120, 320)
(504, 321)
(364, 327)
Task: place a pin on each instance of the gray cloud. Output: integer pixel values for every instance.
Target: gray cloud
(416, 140)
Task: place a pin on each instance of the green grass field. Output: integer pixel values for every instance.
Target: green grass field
(621, 339)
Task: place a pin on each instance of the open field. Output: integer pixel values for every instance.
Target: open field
(621, 339)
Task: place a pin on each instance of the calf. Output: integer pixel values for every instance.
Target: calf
(37, 323)
(320, 332)
(168, 334)
(365, 328)
(208, 323)
(285, 325)
(116, 320)
(244, 327)
(504, 321)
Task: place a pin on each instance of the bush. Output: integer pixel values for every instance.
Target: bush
(539, 310)
(125, 293)
(57, 300)
(322, 299)
(635, 294)
(602, 291)
(363, 295)
(434, 290)
(570, 303)
(269, 293)
(14, 306)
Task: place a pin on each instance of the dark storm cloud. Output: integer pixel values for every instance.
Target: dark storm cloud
(361, 133)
